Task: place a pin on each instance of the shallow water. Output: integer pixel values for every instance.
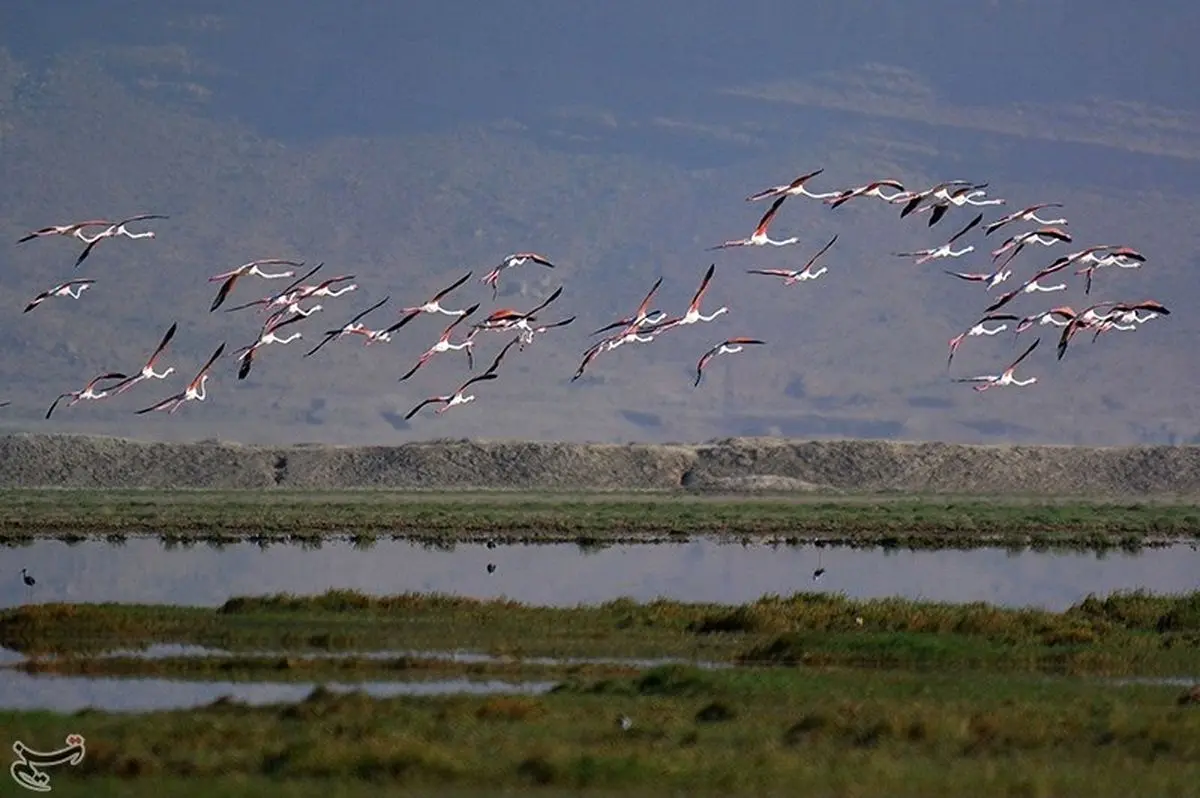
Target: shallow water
(22, 691)
(173, 650)
(145, 571)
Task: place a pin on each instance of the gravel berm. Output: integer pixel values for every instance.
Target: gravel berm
(739, 464)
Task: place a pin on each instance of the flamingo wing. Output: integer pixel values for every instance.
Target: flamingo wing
(429, 401)
(165, 403)
(1024, 354)
(699, 295)
(765, 221)
(970, 226)
(166, 339)
(223, 292)
(454, 285)
(557, 292)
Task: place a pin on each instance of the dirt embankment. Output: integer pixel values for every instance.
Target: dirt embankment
(736, 464)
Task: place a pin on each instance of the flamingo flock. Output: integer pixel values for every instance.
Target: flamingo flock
(285, 310)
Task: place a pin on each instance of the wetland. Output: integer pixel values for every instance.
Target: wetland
(284, 642)
(853, 697)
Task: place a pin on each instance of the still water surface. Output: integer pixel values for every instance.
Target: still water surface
(145, 571)
(21, 691)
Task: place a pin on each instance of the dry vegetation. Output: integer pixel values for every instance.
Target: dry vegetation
(733, 465)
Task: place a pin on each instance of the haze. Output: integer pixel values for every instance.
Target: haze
(408, 143)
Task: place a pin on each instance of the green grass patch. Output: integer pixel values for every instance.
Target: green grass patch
(285, 515)
(1123, 634)
(744, 732)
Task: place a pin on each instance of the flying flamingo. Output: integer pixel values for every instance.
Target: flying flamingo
(459, 397)
(87, 392)
(323, 288)
(693, 313)
(793, 189)
(730, 346)
(1121, 257)
(1091, 317)
(509, 319)
(287, 296)
(148, 372)
(873, 189)
(1005, 377)
(528, 335)
(433, 305)
(913, 199)
(1058, 317)
(642, 316)
(1046, 236)
(351, 327)
(114, 230)
(62, 289)
(251, 268)
(195, 390)
(791, 277)
(266, 337)
(1032, 285)
(979, 328)
(293, 309)
(1027, 215)
(990, 279)
(759, 237)
(589, 355)
(1123, 320)
(443, 344)
(631, 335)
(966, 195)
(74, 230)
(492, 278)
(945, 250)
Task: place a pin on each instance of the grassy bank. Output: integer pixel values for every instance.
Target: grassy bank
(1123, 634)
(696, 732)
(261, 516)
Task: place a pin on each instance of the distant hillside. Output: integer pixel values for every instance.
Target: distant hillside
(722, 466)
(860, 353)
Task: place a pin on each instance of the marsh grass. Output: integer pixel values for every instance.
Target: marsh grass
(753, 732)
(1124, 634)
(272, 516)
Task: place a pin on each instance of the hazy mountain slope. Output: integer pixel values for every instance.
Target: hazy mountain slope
(860, 352)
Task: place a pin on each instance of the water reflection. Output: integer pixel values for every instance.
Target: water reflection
(21, 691)
(175, 650)
(143, 570)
